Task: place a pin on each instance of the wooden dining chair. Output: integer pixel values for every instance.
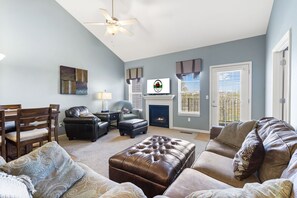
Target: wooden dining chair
(2, 134)
(32, 125)
(10, 108)
(55, 120)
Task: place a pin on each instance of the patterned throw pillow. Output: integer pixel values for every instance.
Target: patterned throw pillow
(50, 168)
(249, 157)
(125, 110)
(127, 190)
(271, 188)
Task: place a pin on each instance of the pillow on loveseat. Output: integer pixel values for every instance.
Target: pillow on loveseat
(15, 186)
(125, 189)
(250, 156)
(234, 133)
(50, 168)
(280, 188)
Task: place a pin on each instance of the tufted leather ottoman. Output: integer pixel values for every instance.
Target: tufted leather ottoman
(133, 127)
(152, 164)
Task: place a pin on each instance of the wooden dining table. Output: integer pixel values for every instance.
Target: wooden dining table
(11, 115)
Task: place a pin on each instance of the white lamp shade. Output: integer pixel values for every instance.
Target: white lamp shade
(104, 96)
(2, 56)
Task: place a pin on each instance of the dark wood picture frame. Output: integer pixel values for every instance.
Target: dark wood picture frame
(73, 81)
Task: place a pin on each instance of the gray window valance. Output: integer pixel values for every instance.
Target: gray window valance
(134, 73)
(188, 67)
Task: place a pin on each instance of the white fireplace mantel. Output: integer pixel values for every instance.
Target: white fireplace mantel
(159, 100)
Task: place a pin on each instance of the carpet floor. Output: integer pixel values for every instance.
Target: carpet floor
(96, 154)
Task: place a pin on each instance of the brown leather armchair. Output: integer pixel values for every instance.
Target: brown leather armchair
(81, 124)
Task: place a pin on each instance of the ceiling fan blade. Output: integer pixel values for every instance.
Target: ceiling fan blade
(127, 22)
(105, 14)
(94, 23)
(125, 31)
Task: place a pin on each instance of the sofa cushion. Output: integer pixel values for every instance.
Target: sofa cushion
(234, 133)
(249, 157)
(50, 168)
(279, 147)
(221, 148)
(268, 125)
(190, 181)
(291, 173)
(125, 189)
(91, 185)
(15, 186)
(220, 168)
(271, 188)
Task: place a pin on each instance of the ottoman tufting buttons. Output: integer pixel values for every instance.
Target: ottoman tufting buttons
(152, 164)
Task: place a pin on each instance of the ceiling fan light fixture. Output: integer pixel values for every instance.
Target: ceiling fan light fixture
(114, 25)
(112, 29)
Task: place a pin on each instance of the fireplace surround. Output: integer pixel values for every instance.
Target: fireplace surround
(159, 100)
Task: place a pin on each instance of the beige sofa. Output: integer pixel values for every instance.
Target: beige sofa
(213, 169)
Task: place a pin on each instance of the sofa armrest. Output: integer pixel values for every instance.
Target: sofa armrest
(215, 131)
(81, 120)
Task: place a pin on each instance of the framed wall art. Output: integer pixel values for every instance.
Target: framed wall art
(73, 81)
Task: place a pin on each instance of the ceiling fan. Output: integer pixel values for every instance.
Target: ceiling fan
(113, 25)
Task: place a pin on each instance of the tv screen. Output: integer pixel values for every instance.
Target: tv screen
(158, 86)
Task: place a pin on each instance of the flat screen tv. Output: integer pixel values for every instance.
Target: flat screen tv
(158, 86)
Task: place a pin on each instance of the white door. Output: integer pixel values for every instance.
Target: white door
(230, 88)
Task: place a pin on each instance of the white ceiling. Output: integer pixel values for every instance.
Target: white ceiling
(167, 26)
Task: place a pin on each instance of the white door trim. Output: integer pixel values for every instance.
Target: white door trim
(249, 63)
(284, 42)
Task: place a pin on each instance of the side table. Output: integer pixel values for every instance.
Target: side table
(109, 117)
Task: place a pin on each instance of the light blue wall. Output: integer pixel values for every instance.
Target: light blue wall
(251, 49)
(282, 19)
(39, 36)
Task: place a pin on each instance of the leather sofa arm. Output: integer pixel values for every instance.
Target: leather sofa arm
(215, 131)
(82, 120)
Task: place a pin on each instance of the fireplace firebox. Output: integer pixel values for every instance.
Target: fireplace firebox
(159, 115)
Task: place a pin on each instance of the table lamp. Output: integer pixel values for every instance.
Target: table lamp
(2, 56)
(104, 96)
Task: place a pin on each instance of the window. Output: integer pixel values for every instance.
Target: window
(135, 93)
(189, 95)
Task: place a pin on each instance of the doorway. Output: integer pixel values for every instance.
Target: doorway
(230, 93)
(282, 79)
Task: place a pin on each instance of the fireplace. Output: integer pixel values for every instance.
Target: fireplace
(159, 115)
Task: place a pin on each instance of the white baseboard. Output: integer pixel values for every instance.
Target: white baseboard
(190, 130)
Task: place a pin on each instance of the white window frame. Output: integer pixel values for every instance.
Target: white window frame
(180, 112)
(130, 92)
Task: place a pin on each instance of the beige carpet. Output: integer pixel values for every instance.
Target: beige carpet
(96, 154)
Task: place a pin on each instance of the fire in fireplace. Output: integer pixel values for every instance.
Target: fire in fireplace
(159, 115)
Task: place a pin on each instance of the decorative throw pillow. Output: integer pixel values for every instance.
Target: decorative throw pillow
(126, 189)
(272, 188)
(125, 110)
(234, 133)
(15, 186)
(50, 168)
(249, 157)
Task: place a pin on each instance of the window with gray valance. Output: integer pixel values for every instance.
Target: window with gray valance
(134, 73)
(188, 67)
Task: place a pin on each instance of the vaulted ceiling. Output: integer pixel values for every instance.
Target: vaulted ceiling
(166, 26)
